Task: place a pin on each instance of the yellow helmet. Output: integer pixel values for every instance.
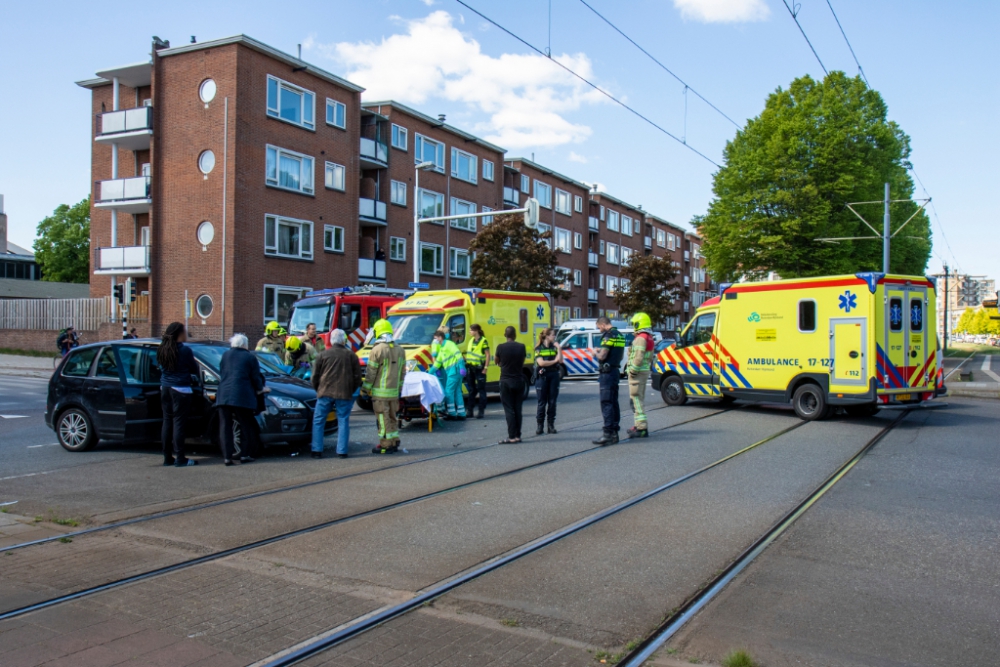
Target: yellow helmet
(382, 327)
(271, 327)
(641, 321)
(293, 343)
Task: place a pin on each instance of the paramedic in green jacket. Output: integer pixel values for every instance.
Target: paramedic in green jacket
(450, 363)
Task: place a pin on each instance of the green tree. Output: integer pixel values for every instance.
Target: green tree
(653, 287)
(980, 323)
(790, 172)
(964, 324)
(511, 257)
(62, 248)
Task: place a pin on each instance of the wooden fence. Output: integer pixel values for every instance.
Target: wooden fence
(56, 314)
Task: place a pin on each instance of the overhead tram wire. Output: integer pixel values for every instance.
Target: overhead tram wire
(851, 48)
(937, 219)
(795, 17)
(589, 83)
(662, 66)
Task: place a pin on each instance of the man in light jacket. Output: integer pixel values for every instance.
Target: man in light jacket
(336, 377)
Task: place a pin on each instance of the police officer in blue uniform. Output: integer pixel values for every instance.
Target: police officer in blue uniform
(609, 360)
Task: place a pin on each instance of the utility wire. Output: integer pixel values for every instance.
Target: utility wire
(937, 219)
(856, 61)
(795, 17)
(653, 58)
(588, 82)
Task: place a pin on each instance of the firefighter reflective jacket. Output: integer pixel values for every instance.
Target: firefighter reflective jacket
(385, 370)
(640, 356)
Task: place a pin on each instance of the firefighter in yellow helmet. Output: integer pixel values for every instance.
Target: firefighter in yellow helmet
(640, 358)
(383, 381)
(298, 354)
(273, 340)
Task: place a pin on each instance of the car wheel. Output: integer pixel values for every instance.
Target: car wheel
(809, 402)
(868, 410)
(75, 431)
(672, 391)
(365, 403)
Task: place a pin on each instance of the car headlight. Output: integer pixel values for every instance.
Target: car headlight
(286, 403)
(412, 365)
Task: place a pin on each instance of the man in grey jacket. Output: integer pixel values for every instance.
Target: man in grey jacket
(336, 377)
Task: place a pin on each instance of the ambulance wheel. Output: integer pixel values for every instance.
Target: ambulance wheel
(809, 402)
(365, 403)
(672, 391)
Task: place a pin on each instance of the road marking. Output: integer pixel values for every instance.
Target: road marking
(30, 474)
(959, 366)
(51, 444)
(986, 367)
(13, 416)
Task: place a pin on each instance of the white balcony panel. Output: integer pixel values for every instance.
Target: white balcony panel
(123, 261)
(592, 295)
(131, 129)
(593, 224)
(374, 153)
(371, 269)
(371, 210)
(128, 195)
(592, 259)
(511, 196)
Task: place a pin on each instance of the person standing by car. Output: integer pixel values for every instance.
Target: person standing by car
(240, 383)
(177, 366)
(336, 377)
(477, 360)
(510, 358)
(383, 381)
(548, 356)
(315, 340)
(640, 359)
(609, 359)
(273, 340)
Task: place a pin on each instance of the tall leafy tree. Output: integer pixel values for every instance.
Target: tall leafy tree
(511, 257)
(62, 248)
(964, 324)
(653, 287)
(790, 172)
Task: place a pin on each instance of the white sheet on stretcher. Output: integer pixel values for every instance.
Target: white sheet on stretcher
(424, 385)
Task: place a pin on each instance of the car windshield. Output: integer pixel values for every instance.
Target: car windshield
(415, 329)
(305, 315)
(211, 356)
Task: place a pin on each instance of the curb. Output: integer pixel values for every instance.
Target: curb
(974, 393)
(25, 372)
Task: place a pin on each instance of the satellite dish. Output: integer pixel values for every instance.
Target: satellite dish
(531, 214)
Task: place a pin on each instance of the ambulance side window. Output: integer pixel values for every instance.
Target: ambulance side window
(807, 315)
(916, 315)
(524, 320)
(895, 314)
(701, 331)
(456, 325)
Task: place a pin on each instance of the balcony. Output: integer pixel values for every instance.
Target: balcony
(128, 195)
(687, 255)
(593, 259)
(122, 261)
(512, 197)
(374, 154)
(372, 212)
(371, 269)
(131, 129)
(591, 296)
(647, 243)
(594, 225)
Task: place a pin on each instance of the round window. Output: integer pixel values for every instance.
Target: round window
(204, 306)
(206, 232)
(206, 162)
(207, 91)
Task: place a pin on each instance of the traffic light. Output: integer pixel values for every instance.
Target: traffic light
(120, 294)
(131, 291)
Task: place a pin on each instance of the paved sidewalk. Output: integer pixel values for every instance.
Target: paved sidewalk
(24, 366)
(985, 381)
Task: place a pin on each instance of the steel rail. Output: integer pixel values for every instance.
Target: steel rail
(365, 623)
(638, 656)
(217, 555)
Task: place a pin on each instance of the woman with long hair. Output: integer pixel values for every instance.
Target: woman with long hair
(548, 356)
(177, 366)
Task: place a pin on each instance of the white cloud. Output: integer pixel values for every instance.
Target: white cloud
(723, 11)
(428, 2)
(524, 96)
(576, 157)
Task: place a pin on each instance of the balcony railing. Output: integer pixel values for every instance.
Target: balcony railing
(648, 242)
(592, 259)
(130, 195)
(372, 209)
(687, 255)
(592, 296)
(129, 128)
(594, 224)
(371, 269)
(374, 151)
(511, 196)
(122, 260)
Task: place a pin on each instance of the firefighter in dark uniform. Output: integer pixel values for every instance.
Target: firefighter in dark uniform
(609, 359)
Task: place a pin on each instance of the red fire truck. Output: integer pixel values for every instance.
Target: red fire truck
(353, 309)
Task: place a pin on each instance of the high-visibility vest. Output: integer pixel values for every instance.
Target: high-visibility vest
(448, 355)
(476, 354)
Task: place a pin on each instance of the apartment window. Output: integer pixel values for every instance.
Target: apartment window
(399, 137)
(562, 202)
(336, 114)
(613, 220)
(578, 203)
(431, 259)
(577, 313)
(563, 238)
(144, 236)
(278, 300)
(696, 250)
(637, 225)
(626, 255)
(613, 255)
(543, 193)
(577, 277)
(335, 176)
(671, 242)
(287, 237)
(463, 165)
(542, 230)
(564, 276)
(578, 240)
(601, 251)
(459, 264)
(612, 283)
(487, 170)
(626, 225)
(289, 170)
(661, 238)
(525, 184)
(397, 193)
(333, 238)
(431, 204)
(397, 249)
(290, 103)
(602, 213)
(601, 284)
(460, 207)
(428, 150)
(487, 219)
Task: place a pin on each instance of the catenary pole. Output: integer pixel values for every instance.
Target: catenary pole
(885, 233)
(946, 327)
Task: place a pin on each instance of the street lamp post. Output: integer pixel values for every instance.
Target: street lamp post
(416, 218)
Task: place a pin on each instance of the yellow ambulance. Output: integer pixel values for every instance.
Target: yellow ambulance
(858, 341)
(415, 320)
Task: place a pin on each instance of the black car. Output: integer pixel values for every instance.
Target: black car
(111, 391)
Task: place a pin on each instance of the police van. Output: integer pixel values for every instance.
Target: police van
(859, 341)
(579, 340)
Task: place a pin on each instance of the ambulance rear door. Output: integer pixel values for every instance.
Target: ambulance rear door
(905, 343)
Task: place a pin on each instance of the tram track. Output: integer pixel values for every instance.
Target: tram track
(249, 546)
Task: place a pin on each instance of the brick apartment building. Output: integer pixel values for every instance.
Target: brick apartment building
(241, 177)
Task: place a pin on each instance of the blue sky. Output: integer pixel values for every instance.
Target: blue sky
(934, 64)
